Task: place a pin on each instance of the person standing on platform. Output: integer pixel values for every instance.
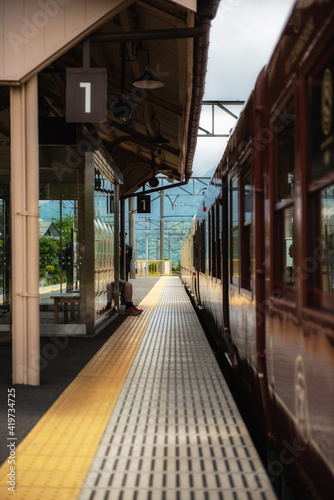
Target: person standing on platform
(126, 291)
(125, 288)
(128, 258)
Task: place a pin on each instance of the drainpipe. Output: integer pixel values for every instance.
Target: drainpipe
(206, 11)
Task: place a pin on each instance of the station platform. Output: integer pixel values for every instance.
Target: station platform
(149, 417)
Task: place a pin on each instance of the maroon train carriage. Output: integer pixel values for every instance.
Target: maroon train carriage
(260, 258)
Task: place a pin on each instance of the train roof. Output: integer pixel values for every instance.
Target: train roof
(298, 37)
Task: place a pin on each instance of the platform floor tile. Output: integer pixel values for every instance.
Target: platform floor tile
(175, 432)
(54, 458)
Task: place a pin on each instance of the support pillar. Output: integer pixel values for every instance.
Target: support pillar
(123, 238)
(25, 232)
(132, 235)
(116, 244)
(162, 225)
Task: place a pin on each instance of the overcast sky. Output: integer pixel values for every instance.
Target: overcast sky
(242, 39)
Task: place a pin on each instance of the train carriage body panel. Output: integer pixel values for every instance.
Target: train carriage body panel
(264, 250)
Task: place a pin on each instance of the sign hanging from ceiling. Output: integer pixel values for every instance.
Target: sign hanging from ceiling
(86, 95)
(143, 204)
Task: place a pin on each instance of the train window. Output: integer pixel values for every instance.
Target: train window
(199, 248)
(284, 251)
(234, 214)
(197, 252)
(213, 242)
(321, 122)
(323, 289)
(202, 268)
(285, 168)
(206, 227)
(218, 241)
(194, 250)
(246, 229)
(247, 196)
(287, 248)
(321, 183)
(326, 236)
(210, 239)
(222, 235)
(284, 182)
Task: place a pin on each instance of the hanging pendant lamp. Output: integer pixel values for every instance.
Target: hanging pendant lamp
(149, 80)
(122, 107)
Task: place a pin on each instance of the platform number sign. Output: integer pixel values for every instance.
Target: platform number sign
(143, 204)
(86, 95)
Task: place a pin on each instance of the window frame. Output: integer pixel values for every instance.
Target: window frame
(210, 215)
(279, 206)
(316, 297)
(218, 240)
(246, 227)
(203, 249)
(234, 277)
(213, 239)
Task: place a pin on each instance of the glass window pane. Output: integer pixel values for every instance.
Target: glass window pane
(235, 230)
(247, 197)
(203, 246)
(322, 122)
(246, 230)
(288, 275)
(235, 252)
(235, 202)
(285, 158)
(327, 237)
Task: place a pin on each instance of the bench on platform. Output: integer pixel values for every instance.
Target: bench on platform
(65, 298)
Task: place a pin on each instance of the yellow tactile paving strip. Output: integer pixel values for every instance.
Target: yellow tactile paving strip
(53, 460)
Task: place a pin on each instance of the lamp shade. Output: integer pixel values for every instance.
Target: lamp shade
(159, 140)
(148, 81)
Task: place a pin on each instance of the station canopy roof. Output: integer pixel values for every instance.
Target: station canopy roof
(150, 127)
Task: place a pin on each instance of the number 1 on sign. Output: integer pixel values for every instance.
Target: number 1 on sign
(88, 95)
